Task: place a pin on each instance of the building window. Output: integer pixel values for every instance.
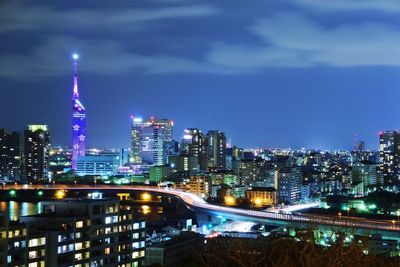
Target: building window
(78, 256)
(37, 242)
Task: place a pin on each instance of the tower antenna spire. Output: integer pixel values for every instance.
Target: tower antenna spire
(76, 92)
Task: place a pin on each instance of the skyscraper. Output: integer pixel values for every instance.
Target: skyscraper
(10, 159)
(216, 149)
(151, 140)
(289, 185)
(196, 145)
(78, 120)
(389, 156)
(36, 148)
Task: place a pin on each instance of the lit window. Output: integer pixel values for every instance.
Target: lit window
(33, 254)
(78, 246)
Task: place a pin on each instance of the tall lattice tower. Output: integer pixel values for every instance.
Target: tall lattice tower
(78, 120)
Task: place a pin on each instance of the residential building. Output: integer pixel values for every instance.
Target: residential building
(89, 232)
(159, 174)
(172, 252)
(389, 156)
(216, 149)
(10, 158)
(200, 185)
(36, 149)
(289, 185)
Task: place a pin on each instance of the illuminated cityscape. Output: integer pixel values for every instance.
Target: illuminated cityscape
(240, 137)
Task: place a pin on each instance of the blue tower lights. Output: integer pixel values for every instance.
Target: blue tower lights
(78, 119)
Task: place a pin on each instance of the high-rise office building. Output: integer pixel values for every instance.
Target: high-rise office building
(195, 145)
(216, 149)
(36, 149)
(78, 120)
(251, 171)
(389, 156)
(10, 159)
(151, 140)
(289, 185)
(136, 140)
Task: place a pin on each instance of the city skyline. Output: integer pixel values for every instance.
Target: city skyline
(176, 61)
(200, 133)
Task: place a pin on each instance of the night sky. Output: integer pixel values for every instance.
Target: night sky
(287, 73)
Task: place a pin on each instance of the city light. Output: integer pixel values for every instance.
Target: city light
(187, 137)
(137, 120)
(230, 200)
(12, 193)
(258, 202)
(60, 194)
(40, 193)
(145, 209)
(146, 197)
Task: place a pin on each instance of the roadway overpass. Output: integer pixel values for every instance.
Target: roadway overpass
(389, 228)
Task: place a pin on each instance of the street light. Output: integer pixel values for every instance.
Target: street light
(60, 194)
(230, 200)
(146, 197)
(340, 215)
(258, 201)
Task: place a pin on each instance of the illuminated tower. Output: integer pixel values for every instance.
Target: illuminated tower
(78, 120)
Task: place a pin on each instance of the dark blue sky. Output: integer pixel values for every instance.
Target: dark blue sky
(304, 73)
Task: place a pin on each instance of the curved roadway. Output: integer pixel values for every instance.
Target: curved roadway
(197, 202)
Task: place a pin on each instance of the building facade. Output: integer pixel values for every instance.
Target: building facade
(389, 156)
(289, 185)
(88, 232)
(216, 149)
(10, 159)
(151, 140)
(102, 165)
(36, 149)
(262, 196)
(195, 144)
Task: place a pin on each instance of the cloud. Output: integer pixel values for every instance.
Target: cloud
(98, 56)
(15, 17)
(291, 40)
(377, 5)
